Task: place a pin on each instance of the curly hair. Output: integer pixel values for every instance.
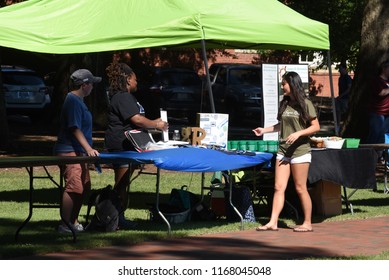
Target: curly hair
(297, 90)
(117, 75)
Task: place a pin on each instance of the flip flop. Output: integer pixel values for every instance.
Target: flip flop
(302, 229)
(265, 228)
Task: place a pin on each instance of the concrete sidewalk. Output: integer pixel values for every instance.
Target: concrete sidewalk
(330, 239)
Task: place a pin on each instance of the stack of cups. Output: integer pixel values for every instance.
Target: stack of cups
(261, 146)
(233, 145)
(272, 146)
(242, 145)
(252, 146)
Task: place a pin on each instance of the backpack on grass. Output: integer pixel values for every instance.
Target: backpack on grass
(107, 206)
(183, 206)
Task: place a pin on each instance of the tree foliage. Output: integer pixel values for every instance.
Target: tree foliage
(9, 2)
(344, 20)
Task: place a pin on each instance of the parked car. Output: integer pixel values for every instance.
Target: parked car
(176, 90)
(237, 90)
(25, 91)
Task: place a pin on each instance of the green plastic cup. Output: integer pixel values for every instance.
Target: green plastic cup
(272, 146)
(243, 145)
(252, 145)
(261, 146)
(233, 145)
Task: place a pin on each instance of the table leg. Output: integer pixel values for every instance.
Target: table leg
(30, 171)
(157, 203)
(232, 205)
(346, 197)
(386, 189)
(202, 186)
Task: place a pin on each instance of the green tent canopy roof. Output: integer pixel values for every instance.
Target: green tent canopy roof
(86, 26)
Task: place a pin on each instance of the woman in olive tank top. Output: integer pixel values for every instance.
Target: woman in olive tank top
(297, 121)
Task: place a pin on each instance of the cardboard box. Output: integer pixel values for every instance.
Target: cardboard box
(326, 198)
(216, 128)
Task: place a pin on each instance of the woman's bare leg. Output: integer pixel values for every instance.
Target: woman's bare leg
(282, 173)
(300, 176)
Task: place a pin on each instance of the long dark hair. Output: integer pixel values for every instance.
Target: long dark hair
(382, 66)
(117, 75)
(297, 90)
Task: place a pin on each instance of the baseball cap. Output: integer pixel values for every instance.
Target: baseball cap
(81, 76)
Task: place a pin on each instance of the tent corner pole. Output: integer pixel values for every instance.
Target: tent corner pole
(332, 94)
(211, 102)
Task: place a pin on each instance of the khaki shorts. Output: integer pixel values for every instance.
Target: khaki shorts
(76, 176)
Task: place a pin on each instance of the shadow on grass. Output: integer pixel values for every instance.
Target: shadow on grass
(373, 202)
(39, 237)
(52, 196)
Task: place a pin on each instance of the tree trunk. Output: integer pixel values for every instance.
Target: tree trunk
(374, 49)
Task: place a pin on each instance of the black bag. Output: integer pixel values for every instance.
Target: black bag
(183, 199)
(107, 210)
(202, 212)
(179, 207)
(242, 200)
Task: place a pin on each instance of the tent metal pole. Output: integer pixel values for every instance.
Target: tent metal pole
(332, 94)
(208, 77)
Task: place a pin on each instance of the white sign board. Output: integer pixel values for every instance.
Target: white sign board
(270, 98)
(216, 128)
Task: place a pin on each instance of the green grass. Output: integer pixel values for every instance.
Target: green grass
(39, 236)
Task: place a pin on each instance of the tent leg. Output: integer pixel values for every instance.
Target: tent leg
(332, 94)
(207, 76)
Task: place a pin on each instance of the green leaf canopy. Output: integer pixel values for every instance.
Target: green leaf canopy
(86, 26)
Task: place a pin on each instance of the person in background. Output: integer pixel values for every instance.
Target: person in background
(344, 86)
(379, 106)
(297, 120)
(124, 113)
(75, 139)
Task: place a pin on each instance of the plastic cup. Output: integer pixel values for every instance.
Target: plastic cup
(233, 145)
(272, 146)
(252, 146)
(261, 146)
(243, 145)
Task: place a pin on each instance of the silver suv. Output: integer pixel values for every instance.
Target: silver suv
(25, 91)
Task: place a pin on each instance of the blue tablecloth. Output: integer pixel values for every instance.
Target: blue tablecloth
(189, 159)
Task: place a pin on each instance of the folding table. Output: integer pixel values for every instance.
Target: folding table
(29, 163)
(179, 159)
(190, 159)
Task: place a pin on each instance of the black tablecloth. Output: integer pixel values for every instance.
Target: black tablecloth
(352, 168)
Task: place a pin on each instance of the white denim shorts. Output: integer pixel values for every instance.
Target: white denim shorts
(301, 159)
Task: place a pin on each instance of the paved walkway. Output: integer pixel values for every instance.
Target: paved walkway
(330, 239)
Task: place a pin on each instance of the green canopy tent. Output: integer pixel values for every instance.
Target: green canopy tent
(74, 26)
